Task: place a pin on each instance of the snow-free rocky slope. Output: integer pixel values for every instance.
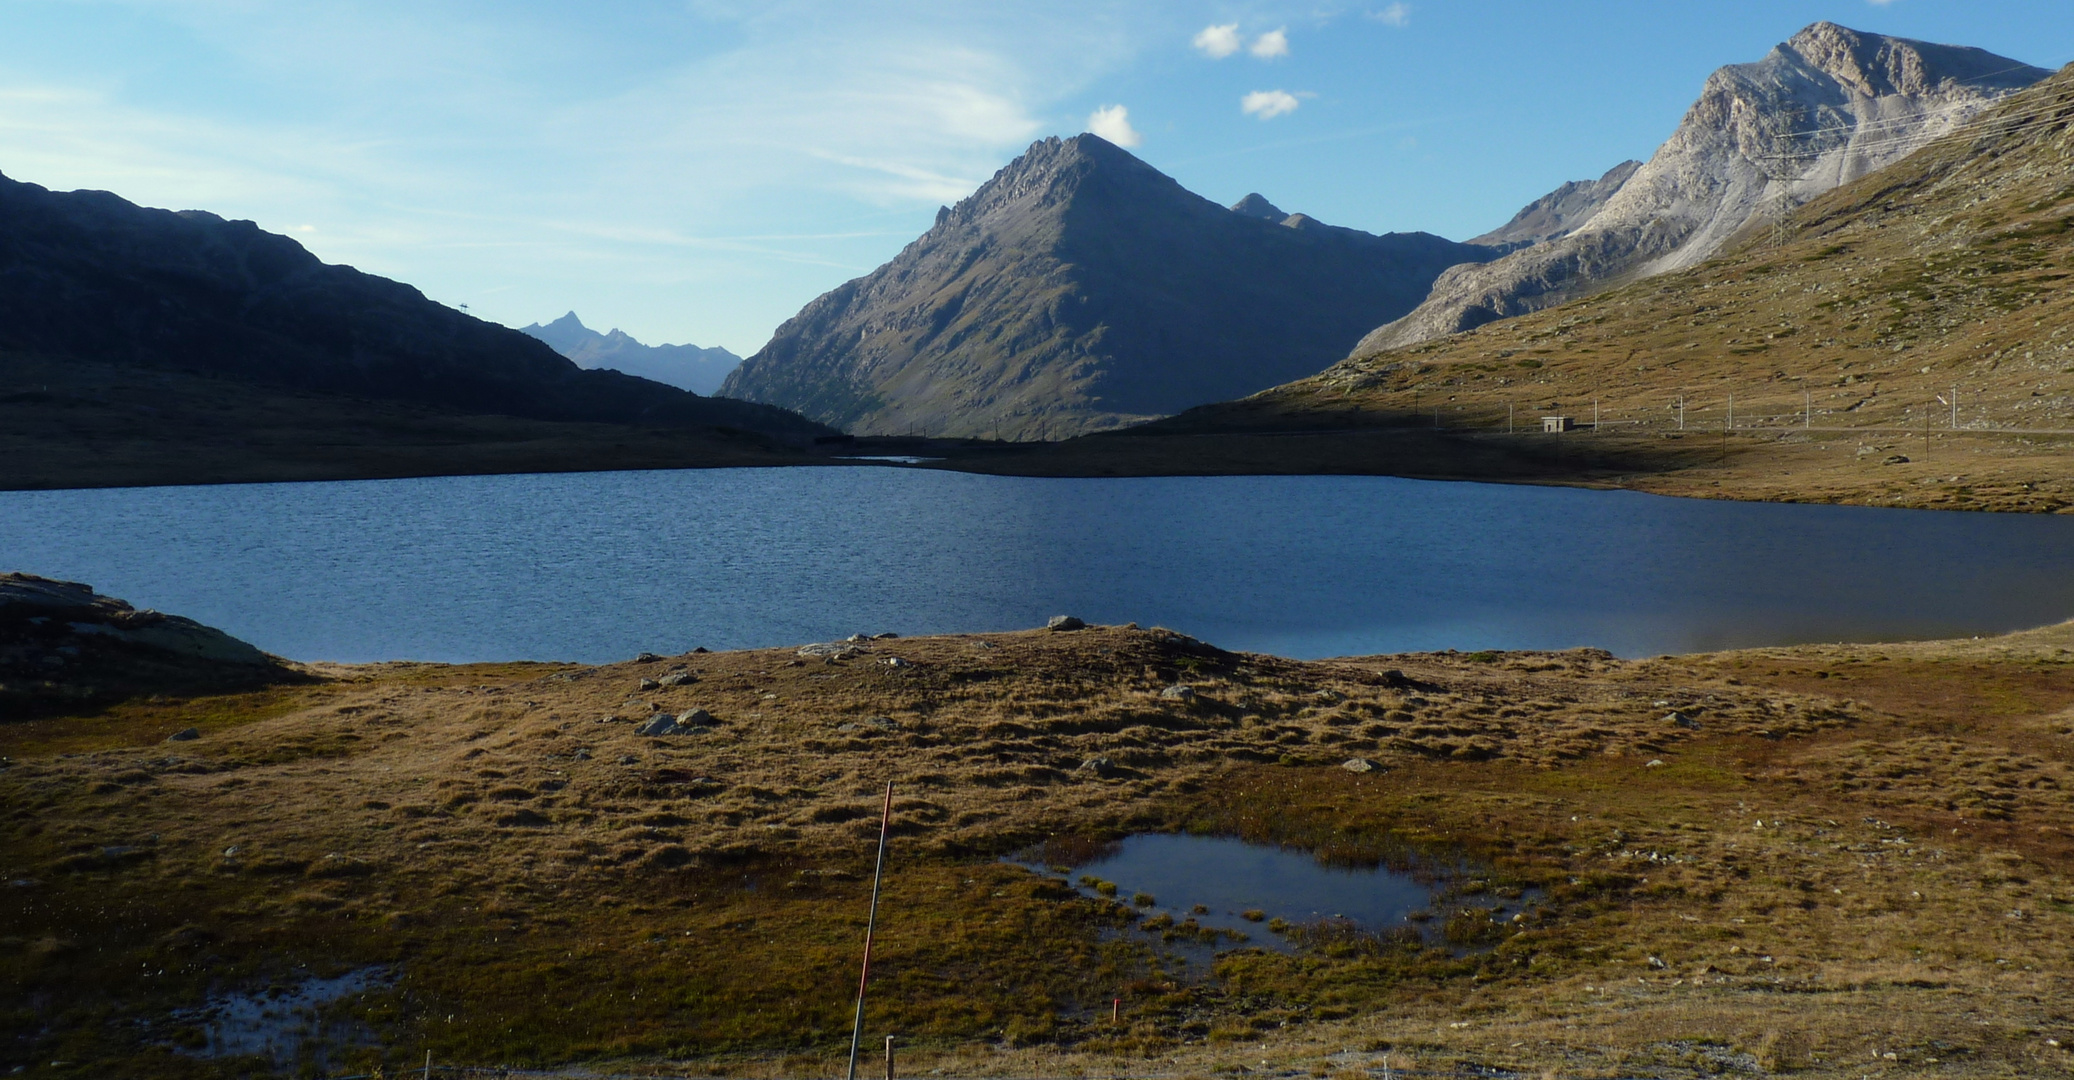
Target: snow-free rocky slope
(87, 276)
(1081, 289)
(1825, 108)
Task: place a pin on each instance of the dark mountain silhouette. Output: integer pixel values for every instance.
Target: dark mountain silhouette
(1081, 289)
(90, 276)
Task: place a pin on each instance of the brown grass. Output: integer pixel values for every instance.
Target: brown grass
(1860, 850)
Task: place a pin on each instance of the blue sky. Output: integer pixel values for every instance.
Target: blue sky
(696, 170)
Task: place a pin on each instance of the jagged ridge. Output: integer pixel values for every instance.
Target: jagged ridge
(1824, 108)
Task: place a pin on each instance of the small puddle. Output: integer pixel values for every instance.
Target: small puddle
(1200, 895)
(286, 1024)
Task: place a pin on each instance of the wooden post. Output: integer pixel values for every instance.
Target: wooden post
(889, 1057)
(428, 1065)
(870, 924)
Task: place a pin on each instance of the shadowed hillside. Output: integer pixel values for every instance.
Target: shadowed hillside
(1081, 289)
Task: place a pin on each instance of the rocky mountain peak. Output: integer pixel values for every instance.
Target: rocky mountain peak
(1047, 173)
(1819, 111)
(1256, 205)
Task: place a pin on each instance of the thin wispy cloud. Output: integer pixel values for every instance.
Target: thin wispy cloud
(1268, 104)
(1399, 14)
(1272, 44)
(1217, 42)
(1113, 122)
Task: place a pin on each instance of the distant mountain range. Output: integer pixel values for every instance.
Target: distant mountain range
(1826, 107)
(88, 276)
(1081, 289)
(686, 367)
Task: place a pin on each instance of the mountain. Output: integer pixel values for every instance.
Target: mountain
(1560, 212)
(1081, 289)
(1821, 110)
(686, 367)
(89, 276)
(1817, 364)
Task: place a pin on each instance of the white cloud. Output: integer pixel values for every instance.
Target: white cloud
(1271, 44)
(1268, 104)
(1113, 122)
(1218, 42)
(1400, 14)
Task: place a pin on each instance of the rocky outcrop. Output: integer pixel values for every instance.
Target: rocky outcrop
(686, 367)
(86, 275)
(1823, 109)
(1081, 289)
(1560, 212)
(62, 645)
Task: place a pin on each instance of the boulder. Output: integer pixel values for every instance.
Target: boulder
(1679, 719)
(1358, 765)
(1178, 692)
(650, 684)
(677, 678)
(1100, 766)
(185, 735)
(831, 650)
(1064, 622)
(695, 722)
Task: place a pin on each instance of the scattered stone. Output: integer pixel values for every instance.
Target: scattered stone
(581, 754)
(1330, 696)
(884, 637)
(702, 649)
(650, 684)
(894, 661)
(1065, 622)
(1178, 692)
(185, 735)
(858, 637)
(1895, 459)
(646, 658)
(831, 650)
(695, 722)
(1654, 763)
(1100, 766)
(678, 678)
(1395, 679)
(1358, 765)
(1679, 719)
(870, 723)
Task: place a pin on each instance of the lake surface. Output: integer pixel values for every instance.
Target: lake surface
(601, 566)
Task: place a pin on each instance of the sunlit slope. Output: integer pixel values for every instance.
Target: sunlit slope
(1851, 325)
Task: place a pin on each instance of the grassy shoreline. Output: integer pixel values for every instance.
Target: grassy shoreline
(1846, 852)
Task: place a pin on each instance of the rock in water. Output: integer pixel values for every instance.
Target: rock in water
(1081, 289)
(1823, 109)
